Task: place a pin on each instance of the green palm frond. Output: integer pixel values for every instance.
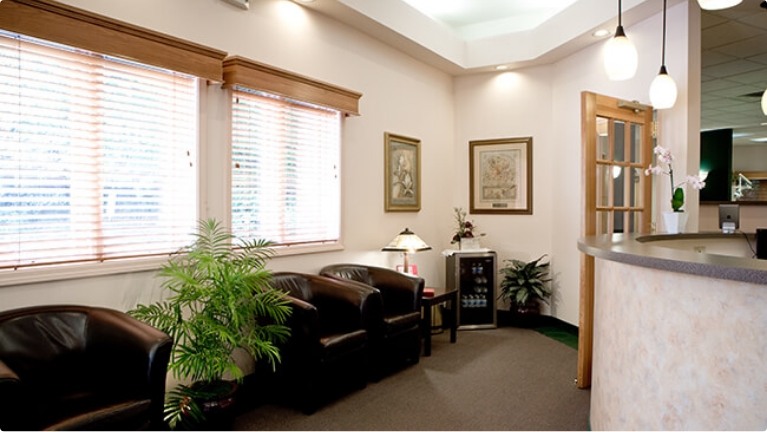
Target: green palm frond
(220, 299)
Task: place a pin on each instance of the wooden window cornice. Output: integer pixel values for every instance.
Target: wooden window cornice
(57, 22)
(258, 76)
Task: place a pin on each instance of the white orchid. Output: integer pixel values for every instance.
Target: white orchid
(664, 156)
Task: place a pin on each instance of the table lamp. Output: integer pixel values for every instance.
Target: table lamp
(406, 242)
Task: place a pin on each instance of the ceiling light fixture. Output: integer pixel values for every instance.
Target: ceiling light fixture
(603, 32)
(717, 4)
(663, 88)
(764, 102)
(620, 56)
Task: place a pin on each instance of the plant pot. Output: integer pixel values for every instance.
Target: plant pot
(525, 315)
(674, 222)
(219, 408)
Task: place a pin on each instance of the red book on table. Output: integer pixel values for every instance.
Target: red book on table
(428, 292)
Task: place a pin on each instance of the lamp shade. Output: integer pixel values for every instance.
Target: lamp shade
(663, 90)
(406, 241)
(620, 57)
(717, 4)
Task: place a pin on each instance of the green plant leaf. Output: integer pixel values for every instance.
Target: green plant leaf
(677, 200)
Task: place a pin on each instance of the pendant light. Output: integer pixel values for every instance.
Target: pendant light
(620, 55)
(717, 4)
(764, 102)
(663, 87)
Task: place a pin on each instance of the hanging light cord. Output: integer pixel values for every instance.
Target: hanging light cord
(663, 49)
(619, 14)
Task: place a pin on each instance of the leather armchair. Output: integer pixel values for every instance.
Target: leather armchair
(80, 368)
(398, 336)
(327, 347)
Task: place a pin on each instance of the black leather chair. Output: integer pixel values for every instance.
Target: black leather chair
(67, 367)
(397, 339)
(327, 350)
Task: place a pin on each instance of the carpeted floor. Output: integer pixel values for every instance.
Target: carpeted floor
(499, 379)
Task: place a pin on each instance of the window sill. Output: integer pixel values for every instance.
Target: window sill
(31, 275)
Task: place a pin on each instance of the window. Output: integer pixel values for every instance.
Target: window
(285, 169)
(97, 156)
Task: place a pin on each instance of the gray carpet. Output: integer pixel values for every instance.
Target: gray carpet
(500, 379)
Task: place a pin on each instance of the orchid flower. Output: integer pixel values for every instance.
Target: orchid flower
(663, 156)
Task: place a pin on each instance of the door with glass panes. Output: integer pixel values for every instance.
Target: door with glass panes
(617, 147)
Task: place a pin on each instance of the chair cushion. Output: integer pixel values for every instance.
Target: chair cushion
(130, 415)
(395, 324)
(338, 345)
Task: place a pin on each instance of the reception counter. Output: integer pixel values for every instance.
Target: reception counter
(679, 332)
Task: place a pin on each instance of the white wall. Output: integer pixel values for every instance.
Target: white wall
(400, 95)
(545, 102)
(404, 96)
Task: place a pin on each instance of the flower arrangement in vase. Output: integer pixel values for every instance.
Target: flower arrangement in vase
(664, 165)
(464, 233)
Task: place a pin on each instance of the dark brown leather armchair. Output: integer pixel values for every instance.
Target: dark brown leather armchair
(398, 338)
(80, 368)
(327, 348)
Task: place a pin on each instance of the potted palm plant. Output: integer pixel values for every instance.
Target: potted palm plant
(525, 285)
(220, 299)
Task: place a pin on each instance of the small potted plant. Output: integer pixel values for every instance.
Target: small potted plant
(220, 299)
(525, 285)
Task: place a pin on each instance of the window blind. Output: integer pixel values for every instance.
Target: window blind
(97, 156)
(285, 174)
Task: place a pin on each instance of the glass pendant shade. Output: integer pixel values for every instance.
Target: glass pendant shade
(717, 4)
(663, 90)
(620, 57)
(764, 102)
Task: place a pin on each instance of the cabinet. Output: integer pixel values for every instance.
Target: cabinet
(474, 275)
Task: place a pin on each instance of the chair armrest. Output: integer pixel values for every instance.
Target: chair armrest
(126, 350)
(346, 305)
(12, 399)
(303, 322)
(401, 293)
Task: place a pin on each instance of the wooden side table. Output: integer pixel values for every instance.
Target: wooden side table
(450, 299)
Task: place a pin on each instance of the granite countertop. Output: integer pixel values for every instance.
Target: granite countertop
(642, 250)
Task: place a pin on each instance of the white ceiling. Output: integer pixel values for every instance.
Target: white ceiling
(466, 36)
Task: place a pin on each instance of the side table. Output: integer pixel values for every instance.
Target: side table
(450, 299)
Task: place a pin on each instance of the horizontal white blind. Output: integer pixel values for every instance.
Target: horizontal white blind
(97, 156)
(285, 169)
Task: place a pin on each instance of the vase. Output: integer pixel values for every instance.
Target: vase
(674, 222)
(469, 243)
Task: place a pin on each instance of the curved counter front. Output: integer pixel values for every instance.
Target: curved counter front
(679, 333)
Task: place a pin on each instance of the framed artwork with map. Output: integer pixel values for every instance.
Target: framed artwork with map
(501, 176)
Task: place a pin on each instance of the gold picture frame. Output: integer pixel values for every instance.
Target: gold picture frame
(402, 171)
(501, 176)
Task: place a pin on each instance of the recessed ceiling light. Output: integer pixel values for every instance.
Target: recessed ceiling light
(501, 67)
(759, 140)
(601, 33)
(304, 1)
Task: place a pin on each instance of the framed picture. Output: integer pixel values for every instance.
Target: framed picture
(402, 160)
(501, 176)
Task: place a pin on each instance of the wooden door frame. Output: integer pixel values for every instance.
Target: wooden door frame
(593, 105)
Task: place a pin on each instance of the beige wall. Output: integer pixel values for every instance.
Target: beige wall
(404, 96)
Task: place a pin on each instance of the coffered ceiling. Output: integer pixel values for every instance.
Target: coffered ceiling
(467, 36)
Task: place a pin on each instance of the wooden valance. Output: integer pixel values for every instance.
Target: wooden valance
(57, 22)
(258, 76)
